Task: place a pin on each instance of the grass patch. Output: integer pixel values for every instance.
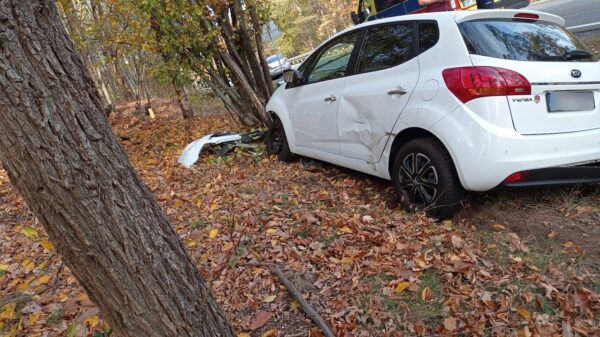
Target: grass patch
(55, 317)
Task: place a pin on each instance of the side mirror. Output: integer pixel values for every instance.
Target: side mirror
(293, 76)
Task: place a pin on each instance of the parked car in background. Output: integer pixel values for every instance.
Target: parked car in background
(277, 65)
(440, 103)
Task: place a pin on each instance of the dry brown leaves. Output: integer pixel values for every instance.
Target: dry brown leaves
(367, 267)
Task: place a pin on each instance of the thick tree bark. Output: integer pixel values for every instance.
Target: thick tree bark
(61, 154)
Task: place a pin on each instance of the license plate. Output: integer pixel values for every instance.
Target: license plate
(566, 101)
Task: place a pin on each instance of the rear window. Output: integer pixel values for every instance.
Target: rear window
(523, 41)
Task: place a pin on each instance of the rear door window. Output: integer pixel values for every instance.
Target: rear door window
(429, 35)
(386, 46)
(522, 41)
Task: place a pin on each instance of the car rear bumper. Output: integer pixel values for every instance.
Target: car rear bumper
(485, 155)
(557, 176)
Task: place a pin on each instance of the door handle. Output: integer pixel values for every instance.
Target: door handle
(399, 91)
(330, 99)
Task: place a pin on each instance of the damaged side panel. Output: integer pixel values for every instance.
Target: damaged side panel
(371, 106)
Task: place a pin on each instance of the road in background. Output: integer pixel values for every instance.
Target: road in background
(581, 15)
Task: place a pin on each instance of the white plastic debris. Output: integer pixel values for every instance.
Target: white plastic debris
(191, 153)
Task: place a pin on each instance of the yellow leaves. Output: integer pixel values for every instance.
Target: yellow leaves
(33, 318)
(346, 230)
(447, 224)
(568, 244)
(243, 334)
(25, 285)
(9, 312)
(29, 231)
(524, 313)
(214, 206)
(272, 332)
(199, 204)
(347, 260)
(47, 244)
(401, 287)
(213, 233)
(93, 321)
(498, 227)
(4, 267)
(44, 279)
(269, 298)
(27, 264)
(272, 231)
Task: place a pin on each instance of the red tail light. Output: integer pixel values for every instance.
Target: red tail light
(468, 83)
(517, 177)
(527, 16)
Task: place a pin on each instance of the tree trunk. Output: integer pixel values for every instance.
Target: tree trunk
(62, 156)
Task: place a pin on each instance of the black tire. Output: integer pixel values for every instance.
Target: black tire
(425, 179)
(277, 142)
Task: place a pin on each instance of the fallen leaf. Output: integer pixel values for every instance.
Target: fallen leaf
(47, 244)
(269, 298)
(315, 332)
(213, 233)
(269, 333)
(568, 244)
(243, 334)
(44, 279)
(4, 267)
(401, 287)
(93, 321)
(552, 235)
(260, 319)
(347, 260)
(450, 324)
(498, 227)
(426, 294)
(346, 230)
(29, 231)
(27, 264)
(457, 242)
(524, 313)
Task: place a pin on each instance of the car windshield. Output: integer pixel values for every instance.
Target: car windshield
(521, 40)
(274, 58)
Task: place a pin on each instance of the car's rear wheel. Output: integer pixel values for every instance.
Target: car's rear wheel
(277, 143)
(425, 179)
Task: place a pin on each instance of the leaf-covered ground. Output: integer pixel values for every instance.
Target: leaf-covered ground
(369, 268)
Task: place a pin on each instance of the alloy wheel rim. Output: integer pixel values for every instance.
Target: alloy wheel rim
(276, 142)
(419, 179)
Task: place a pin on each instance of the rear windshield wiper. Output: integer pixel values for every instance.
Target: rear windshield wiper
(574, 55)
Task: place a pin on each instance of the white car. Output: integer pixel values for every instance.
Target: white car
(277, 65)
(440, 103)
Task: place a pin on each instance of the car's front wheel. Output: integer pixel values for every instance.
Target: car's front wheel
(277, 142)
(425, 179)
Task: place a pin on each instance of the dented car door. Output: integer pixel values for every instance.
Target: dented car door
(387, 72)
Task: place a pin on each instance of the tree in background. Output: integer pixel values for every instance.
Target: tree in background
(62, 156)
(305, 24)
